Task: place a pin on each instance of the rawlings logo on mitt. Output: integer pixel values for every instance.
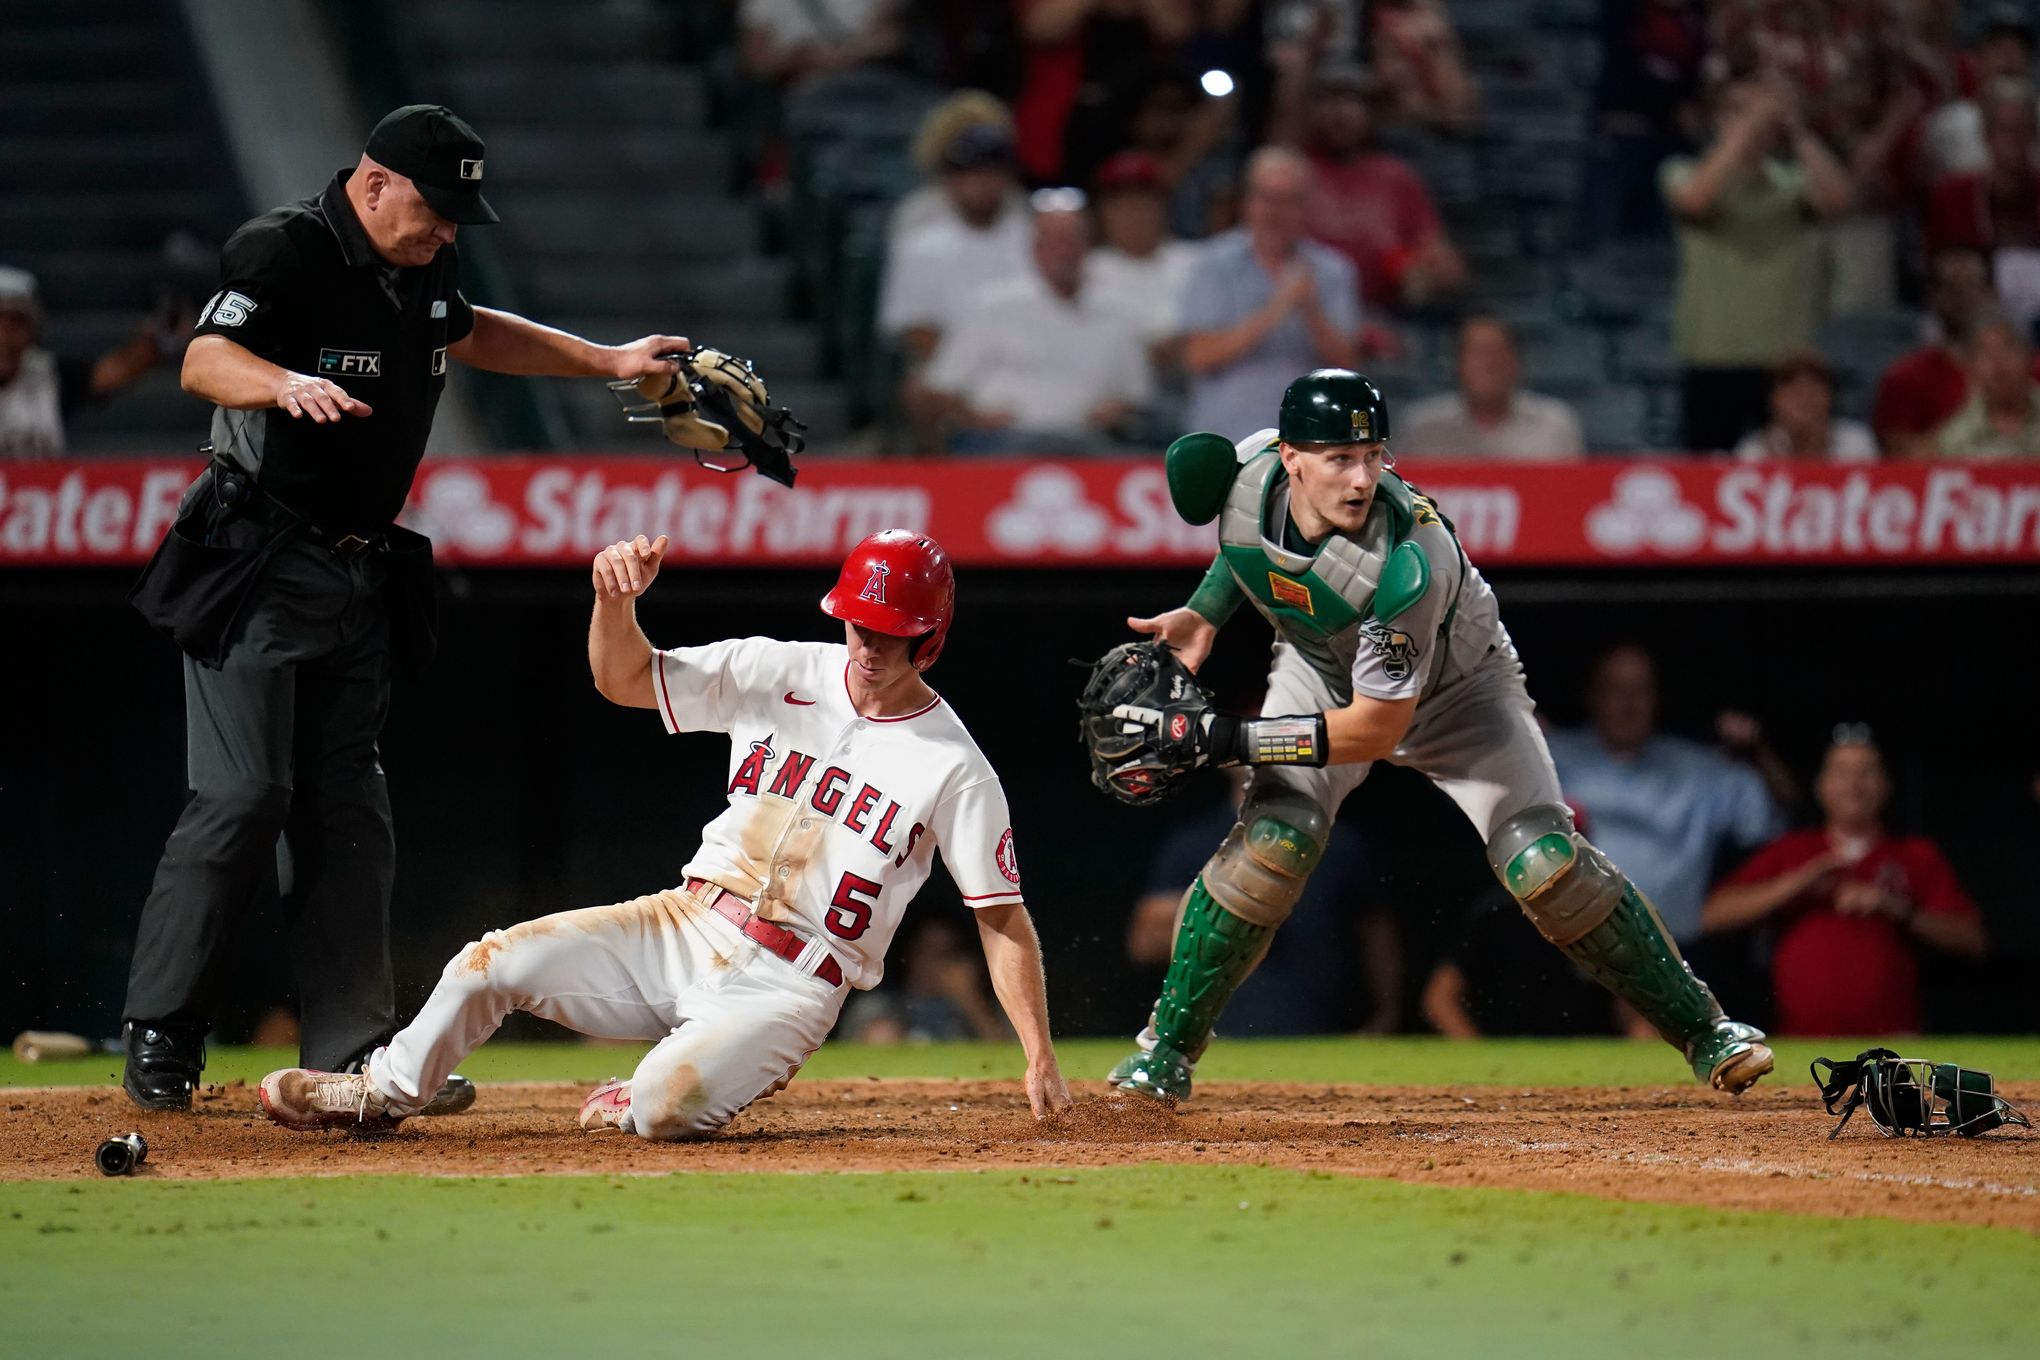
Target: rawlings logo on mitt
(1144, 722)
(716, 402)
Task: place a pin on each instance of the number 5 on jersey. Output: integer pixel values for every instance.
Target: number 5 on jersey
(849, 911)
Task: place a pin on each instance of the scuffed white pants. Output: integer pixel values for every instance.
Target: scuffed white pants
(732, 1020)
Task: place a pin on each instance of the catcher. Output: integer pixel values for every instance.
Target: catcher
(1389, 646)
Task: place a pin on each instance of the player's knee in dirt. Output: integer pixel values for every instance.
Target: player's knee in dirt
(1564, 885)
(673, 1106)
(1260, 870)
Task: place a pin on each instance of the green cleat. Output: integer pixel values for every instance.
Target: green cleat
(1730, 1056)
(1162, 1075)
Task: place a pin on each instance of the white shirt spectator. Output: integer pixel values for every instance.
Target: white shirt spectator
(1537, 426)
(933, 269)
(1048, 362)
(1849, 441)
(1146, 291)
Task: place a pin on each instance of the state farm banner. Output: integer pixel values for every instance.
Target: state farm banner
(558, 510)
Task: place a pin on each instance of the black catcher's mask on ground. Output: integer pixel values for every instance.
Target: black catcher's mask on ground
(1912, 1097)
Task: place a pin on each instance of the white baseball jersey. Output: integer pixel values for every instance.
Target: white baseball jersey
(834, 818)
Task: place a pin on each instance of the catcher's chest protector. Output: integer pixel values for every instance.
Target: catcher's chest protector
(1316, 602)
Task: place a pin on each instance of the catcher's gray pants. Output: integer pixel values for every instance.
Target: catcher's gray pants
(1476, 738)
(282, 742)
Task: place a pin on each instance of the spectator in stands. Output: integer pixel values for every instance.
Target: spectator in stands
(1498, 976)
(937, 994)
(1850, 905)
(1036, 362)
(1745, 292)
(1921, 390)
(783, 42)
(1861, 95)
(1163, 112)
(1138, 268)
(1416, 52)
(2001, 416)
(1997, 209)
(932, 201)
(1489, 416)
(1953, 141)
(933, 267)
(1338, 946)
(1646, 109)
(1263, 304)
(1666, 809)
(39, 391)
(1369, 205)
(1803, 423)
(1083, 48)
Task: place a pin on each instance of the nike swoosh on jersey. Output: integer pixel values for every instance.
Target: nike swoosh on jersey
(804, 703)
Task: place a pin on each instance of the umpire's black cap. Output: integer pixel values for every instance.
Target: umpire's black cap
(430, 145)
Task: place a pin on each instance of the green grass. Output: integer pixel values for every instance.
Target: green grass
(1139, 1261)
(1392, 1061)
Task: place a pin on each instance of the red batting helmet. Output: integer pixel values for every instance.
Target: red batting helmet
(899, 583)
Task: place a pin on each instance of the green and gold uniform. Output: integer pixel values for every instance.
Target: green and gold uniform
(1394, 611)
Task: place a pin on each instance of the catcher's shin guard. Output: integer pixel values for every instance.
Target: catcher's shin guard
(1582, 903)
(1215, 950)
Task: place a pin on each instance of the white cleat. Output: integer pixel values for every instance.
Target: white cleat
(300, 1098)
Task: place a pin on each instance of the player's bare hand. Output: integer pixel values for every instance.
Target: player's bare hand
(641, 358)
(1185, 630)
(301, 394)
(627, 569)
(1047, 1092)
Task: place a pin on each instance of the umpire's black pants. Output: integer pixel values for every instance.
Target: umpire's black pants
(282, 743)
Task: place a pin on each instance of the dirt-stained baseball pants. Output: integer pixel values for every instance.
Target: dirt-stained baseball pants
(732, 1020)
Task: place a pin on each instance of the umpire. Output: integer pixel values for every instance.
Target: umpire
(295, 597)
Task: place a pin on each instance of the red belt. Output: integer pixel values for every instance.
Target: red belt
(781, 941)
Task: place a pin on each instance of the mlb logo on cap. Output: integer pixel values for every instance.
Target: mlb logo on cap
(440, 154)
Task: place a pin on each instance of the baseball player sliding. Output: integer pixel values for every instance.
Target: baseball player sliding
(846, 774)
(1389, 646)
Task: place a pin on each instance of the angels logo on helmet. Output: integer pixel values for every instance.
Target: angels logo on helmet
(874, 589)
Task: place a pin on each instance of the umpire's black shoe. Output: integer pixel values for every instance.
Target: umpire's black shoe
(164, 1062)
(452, 1098)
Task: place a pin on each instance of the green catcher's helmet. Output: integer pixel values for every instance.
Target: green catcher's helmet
(1332, 406)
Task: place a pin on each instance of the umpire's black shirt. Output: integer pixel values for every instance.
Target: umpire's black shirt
(302, 287)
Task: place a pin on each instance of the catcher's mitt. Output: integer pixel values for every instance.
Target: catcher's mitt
(1912, 1097)
(713, 403)
(1144, 722)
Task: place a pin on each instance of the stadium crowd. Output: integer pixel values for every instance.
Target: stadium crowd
(1783, 230)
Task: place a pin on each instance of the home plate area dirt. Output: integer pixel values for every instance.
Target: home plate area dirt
(1767, 1150)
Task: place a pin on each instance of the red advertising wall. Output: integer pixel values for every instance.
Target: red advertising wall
(1093, 512)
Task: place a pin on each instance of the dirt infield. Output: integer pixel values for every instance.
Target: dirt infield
(1765, 1151)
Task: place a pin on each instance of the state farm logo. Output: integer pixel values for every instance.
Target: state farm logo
(1048, 511)
(454, 506)
(1646, 512)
